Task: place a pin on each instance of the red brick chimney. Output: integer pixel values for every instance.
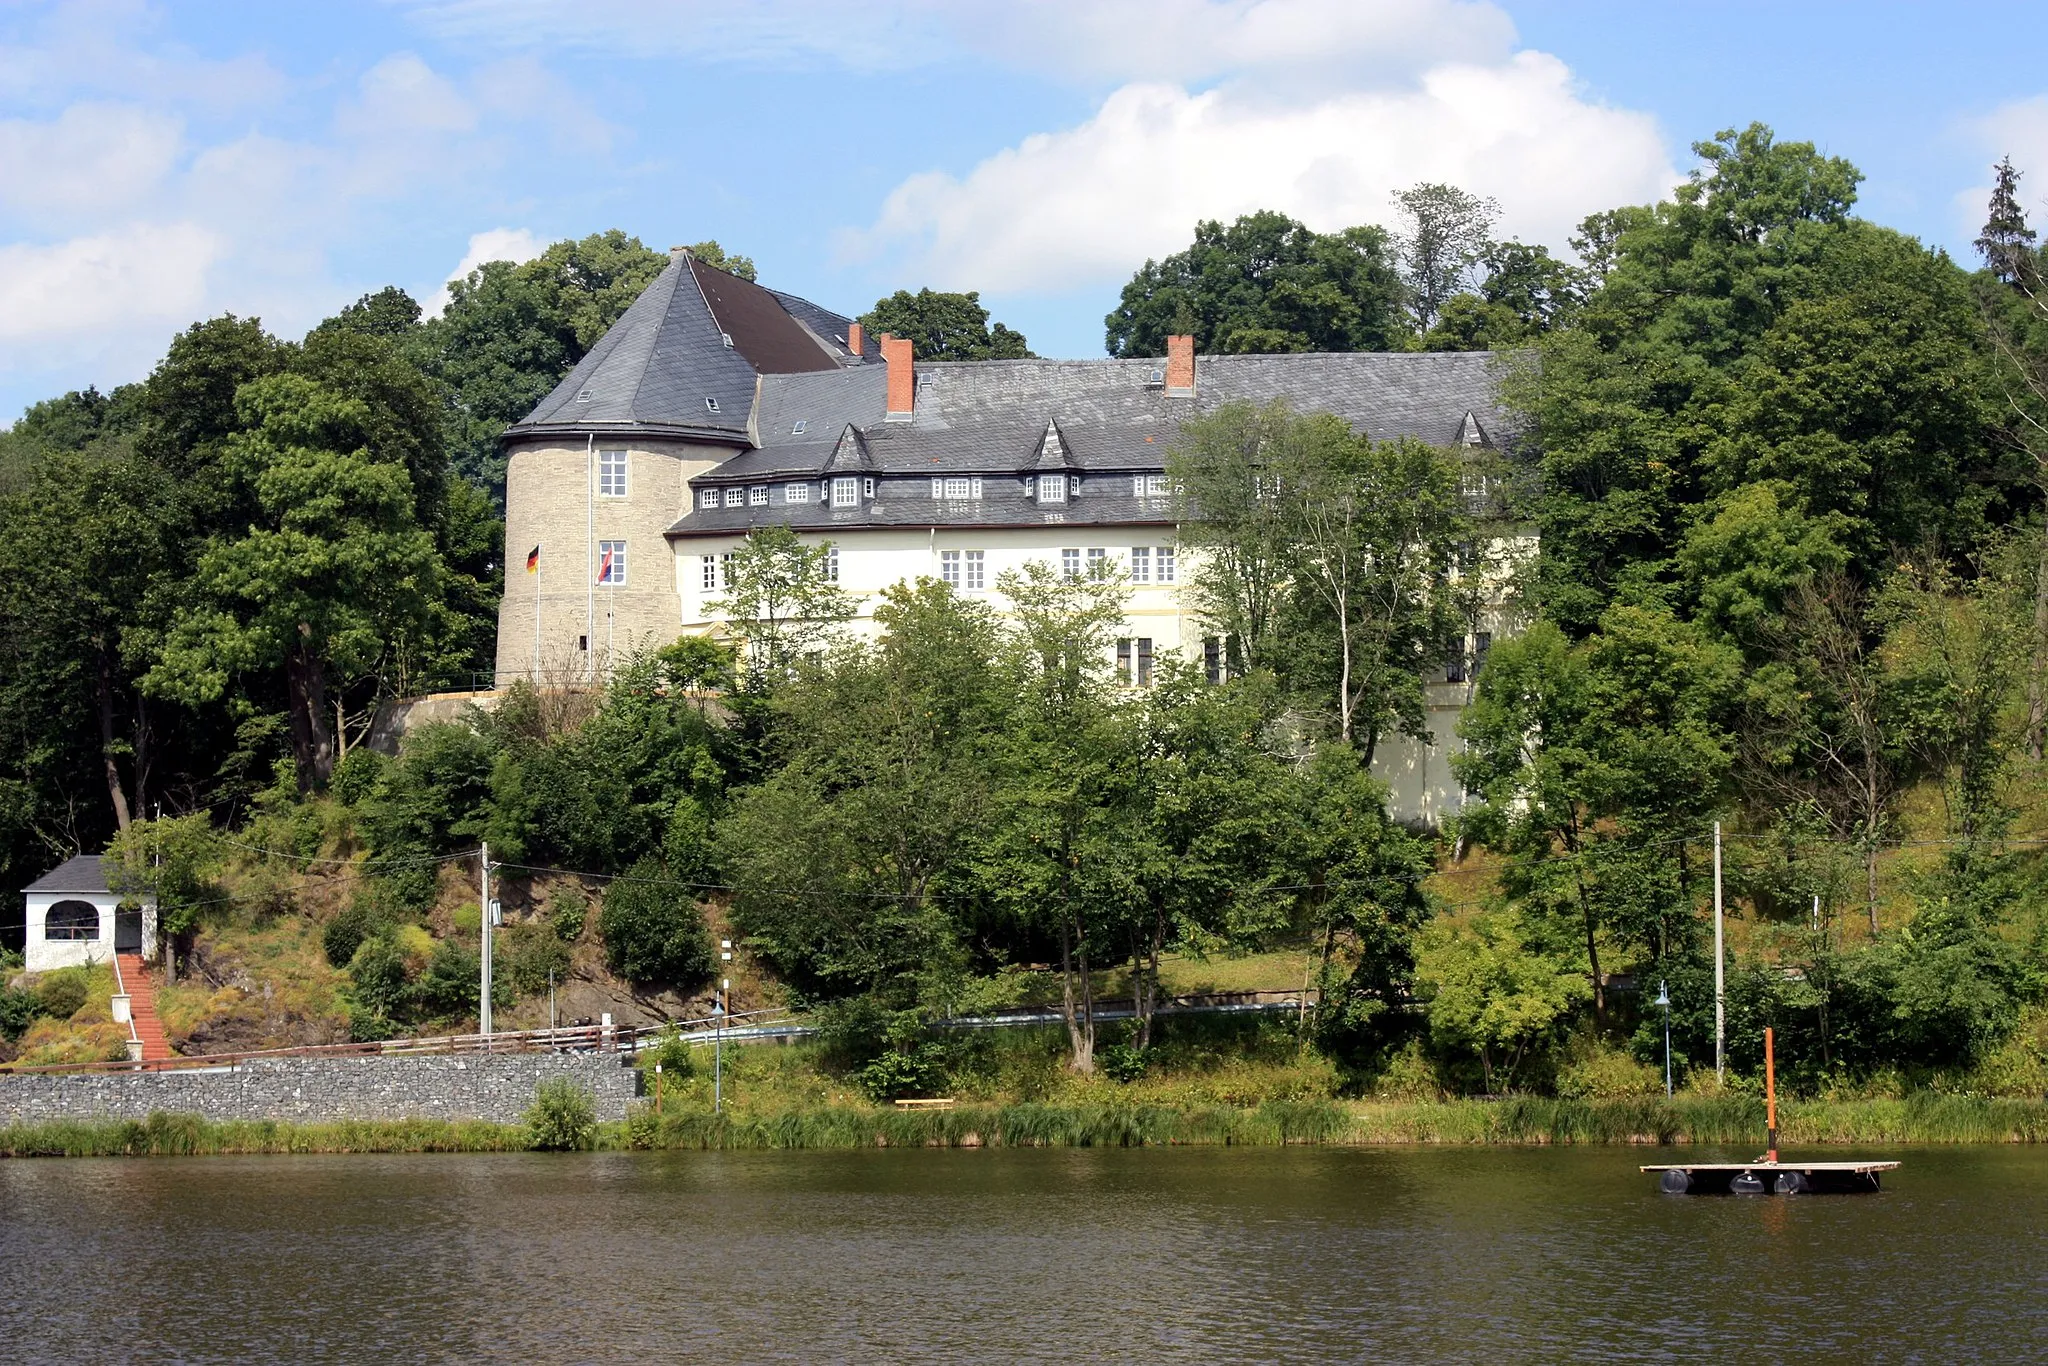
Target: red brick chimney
(1180, 367)
(902, 378)
(854, 339)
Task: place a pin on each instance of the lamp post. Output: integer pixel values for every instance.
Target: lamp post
(1664, 999)
(718, 1041)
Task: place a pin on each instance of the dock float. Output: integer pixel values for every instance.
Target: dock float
(1769, 1178)
(1769, 1175)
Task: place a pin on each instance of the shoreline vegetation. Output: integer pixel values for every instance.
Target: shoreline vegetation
(1924, 1119)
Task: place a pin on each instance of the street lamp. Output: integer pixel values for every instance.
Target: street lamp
(718, 1039)
(1664, 999)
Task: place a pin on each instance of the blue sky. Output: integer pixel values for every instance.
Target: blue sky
(164, 162)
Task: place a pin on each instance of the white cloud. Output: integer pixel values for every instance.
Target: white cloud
(2018, 129)
(91, 159)
(143, 273)
(1086, 204)
(493, 244)
(100, 46)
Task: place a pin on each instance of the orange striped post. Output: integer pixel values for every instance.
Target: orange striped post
(1770, 1097)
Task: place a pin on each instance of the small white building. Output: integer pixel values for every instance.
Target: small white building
(75, 918)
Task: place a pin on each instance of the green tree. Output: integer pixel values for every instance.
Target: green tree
(1493, 990)
(781, 600)
(715, 256)
(944, 326)
(334, 573)
(1445, 235)
(177, 861)
(653, 932)
(1265, 283)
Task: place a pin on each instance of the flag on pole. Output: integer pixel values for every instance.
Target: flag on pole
(604, 567)
(533, 560)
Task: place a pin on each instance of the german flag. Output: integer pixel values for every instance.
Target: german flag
(533, 560)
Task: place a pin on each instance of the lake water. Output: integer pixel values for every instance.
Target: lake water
(1152, 1255)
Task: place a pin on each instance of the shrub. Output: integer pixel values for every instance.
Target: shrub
(62, 993)
(468, 918)
(898, 1074)
(654, 934)
(18, 1010)
(568, 909)
(672, 1054)
(377, 977)
(347, 931)
(1606, 1074)
(1121, 1062)
(529, 954)
(562, 1118)
(451, 982)
(356, 777)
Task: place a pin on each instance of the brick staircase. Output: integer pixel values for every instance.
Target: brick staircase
(142, 1004)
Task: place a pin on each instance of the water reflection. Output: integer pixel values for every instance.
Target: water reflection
(1174, 1255)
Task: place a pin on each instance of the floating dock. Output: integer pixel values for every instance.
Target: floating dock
(1770, 1178)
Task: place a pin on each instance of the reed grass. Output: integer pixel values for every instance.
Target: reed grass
(1926, 1118)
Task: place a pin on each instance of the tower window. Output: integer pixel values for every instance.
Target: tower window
(611, 474)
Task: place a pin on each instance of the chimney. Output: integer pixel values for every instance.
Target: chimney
(902, 378)
(678, 254)
(1180, 367)
(854, 340)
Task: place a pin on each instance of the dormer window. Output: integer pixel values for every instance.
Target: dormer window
(707, 498)
(846, 491)
(1052, 488)
(710, 405)
(798, 429)
(735, 497)
(757, 496)
(797, 493)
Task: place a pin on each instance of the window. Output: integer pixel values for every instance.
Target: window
(867, 487)
(798, 429)
(949, 567)
(757, 496)
(1070, 564)
(957, 488)
(710, 578)
(735, 497)
(611, 474)
(1148, 486)
(611, 563)
(72, 920)
(1052, 489)
(1481, 643)
(1167, 568)
(1141, 564)
(1134, 661)
(707, 498)
(710, 405)
(977, 569)
(725, 570)
(797, 493)
(846, 492)
(831, 564)
(1098, 562)
(1212, 659)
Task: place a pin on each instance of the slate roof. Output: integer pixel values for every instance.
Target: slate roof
(85, 875)
(1103, 420)
(682, 361)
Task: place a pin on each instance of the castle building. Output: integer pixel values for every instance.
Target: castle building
(715, 406)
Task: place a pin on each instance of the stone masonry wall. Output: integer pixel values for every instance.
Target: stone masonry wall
(496, 1088)
(549, 502)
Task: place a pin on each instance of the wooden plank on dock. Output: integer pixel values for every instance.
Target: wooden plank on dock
(1860, 1168)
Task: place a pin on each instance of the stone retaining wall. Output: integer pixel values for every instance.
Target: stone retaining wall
(470, 1086)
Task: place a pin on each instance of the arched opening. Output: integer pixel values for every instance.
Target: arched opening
(72, 920)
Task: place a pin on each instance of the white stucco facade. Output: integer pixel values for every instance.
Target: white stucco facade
(75, 920)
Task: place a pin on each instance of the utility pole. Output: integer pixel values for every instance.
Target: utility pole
(485, 1012)
(1720, 979)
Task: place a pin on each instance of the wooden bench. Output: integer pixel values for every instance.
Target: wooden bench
(935, 1103)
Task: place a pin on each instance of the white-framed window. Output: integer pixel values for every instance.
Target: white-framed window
(797, 493)
(867, 487)
(1141, 564)
(1167, 565)
(949, 567)
(709, 579)
(1098, 561)
(1134, 661)
(1070, 564)
(846, 491)
(1148, 486)
(707, 498)
(757, 496)
(831, 564)
(611, 563)
(1052, 488)
(1030, 486)
(957, 488)
(735, 497)
(611, 474)
(977, 569)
